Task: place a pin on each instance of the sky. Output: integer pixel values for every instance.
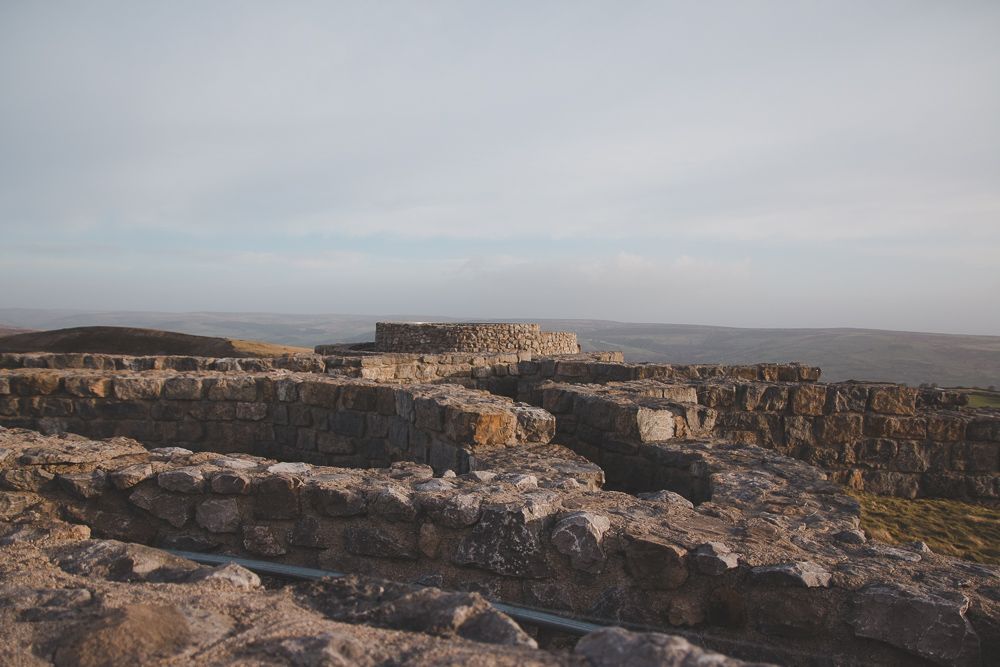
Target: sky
(747, 164)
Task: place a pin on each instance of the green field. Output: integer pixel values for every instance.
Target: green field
(984, 400)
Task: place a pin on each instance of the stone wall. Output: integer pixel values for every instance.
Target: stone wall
(879, 438)
(293, 416)
(471, 337)
(772, 568)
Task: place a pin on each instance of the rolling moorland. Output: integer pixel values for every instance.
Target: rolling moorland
(843, 354)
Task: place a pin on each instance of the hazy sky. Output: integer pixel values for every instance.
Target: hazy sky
(774, 164)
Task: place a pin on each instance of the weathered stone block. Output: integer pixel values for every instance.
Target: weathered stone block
(791, 617)
(262, 541)
(507, 540)
(808, 400)
(832, 430)
(846, 398)
(368, 541)
(174, 509)
(363, 398)
(975, 456)
(892, 400)
(230, 481)
(182, 389)
(927, 623)
(218, 515)
(658, 564)
(984, 428)
(88, 385)
(943, 428)
(138, 388)
(184, 480)
(331, 499)
(232, 389)
(479, 425)
(277, 497)
(34, 384)
(580, 536)
(802, 573)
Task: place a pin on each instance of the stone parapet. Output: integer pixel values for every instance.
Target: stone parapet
(471, 337)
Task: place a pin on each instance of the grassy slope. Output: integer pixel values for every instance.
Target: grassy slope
(951, 528)
(135, 341)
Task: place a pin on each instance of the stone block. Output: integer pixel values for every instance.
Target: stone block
(331, 499)
(318, 393)
(808, 400)
(975, 456)
(656, 563)
(138, 388)
(369, 541)
(218, 515)
(892, 400)
(580, 535)
(277, 497)
(377, 425)
(262, 541)
(846, 398)
(251, 411)
(348, 423)
(167, 411)
(984, 428)
(34, 384)
(943, 485)
(88, 386)
(945, 428)
(360, 397)
(925, 622)
(507, 540)
(804, 574)
(798, 431)
(430, 414)
(183, 480)
(182, 389)
(177, 510)
(774, 399)
(791, 617)
(896, 484)
(912, 456)
(832, 430)
(331, 443)
(230, 481)
(479, 425)
(232, 389)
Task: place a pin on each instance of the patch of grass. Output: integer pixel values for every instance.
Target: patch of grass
(951, 528)
(252, 348)
(984, 400)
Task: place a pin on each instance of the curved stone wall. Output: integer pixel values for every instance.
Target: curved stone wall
(471, 337)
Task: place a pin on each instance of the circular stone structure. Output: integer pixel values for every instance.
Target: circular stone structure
(433, 337)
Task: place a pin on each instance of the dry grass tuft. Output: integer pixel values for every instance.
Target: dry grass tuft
(952, 528)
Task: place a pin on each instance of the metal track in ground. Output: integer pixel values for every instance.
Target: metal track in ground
(521, 614)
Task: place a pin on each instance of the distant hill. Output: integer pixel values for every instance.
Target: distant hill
(10, 331)
(843, 354)
(134, 341)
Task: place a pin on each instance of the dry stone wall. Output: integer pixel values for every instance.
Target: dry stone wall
(486, 337)
(882, 439)
(302, 417)
(772, 567)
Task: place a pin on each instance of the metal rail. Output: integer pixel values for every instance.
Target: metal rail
(521, 614)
